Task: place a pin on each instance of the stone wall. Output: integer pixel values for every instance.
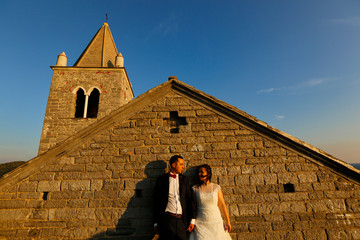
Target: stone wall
(60, 122)
(103, 188)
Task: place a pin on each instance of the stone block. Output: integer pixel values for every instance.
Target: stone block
(326, 186)
(73, 168)
(296, 196)
(48, 186)
(78, 203)
(69, 176)
(252, 198)
(307, 177)
(326, 205)
(86, 214)
(41, 176)
(30, 195)
(259, 227)
(12, 204)
(293, 167)
(241, 180)
(8, 234)
(66, 160)
(270, 197)
(283, 226)
(251, 236)
(241, 153)
(226, 181)
(248, 209)
(221, 126)
(270, 179)
(96, 175)
(223, 146)
(113, 184)
(107, 194)
(77, 185)
(274, 188)
(65, 195)
(257, 179)
(284, 178)
(277, 168)
(250, 145)
(104, 213)
(39, 214)
(62, 214)
(27, 187)
(14, 214)
(96, 167)
(315, 234)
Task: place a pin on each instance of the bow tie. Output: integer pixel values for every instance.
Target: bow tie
(172, 175)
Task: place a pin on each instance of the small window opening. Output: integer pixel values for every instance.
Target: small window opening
(289, 188)
(80, 103)
(93, 105)
(175, 121)
(138, 193)
(45, 196)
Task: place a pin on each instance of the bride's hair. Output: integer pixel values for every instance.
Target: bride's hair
(208, 171)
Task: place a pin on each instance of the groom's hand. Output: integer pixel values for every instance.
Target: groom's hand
(191, 227)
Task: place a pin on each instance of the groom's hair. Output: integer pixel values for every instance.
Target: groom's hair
(174, 159)
(208, 170)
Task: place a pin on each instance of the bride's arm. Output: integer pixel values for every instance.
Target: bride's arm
(223, 210)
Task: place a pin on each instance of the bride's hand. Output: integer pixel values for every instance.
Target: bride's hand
(228, 227)
(191, 227)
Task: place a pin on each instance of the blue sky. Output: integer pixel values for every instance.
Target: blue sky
(292, 64)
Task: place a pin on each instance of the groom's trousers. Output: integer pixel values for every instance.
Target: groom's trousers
(173, 228)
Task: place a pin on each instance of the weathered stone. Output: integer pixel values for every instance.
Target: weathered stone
(27, 187)
(75, 185)
(48, 186)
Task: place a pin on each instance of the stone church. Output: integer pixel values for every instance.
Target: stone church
(101, 151)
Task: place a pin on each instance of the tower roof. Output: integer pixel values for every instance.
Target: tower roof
(100, 52)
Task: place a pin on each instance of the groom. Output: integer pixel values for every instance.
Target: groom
(174, 203)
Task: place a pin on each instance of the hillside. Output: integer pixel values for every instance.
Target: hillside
(7, 167)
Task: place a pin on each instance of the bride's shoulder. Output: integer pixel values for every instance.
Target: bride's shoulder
(215, 187)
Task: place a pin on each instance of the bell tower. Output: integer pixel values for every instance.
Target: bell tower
(86, 92)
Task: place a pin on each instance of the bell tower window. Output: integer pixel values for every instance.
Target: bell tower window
(87, 106)
(80, 103)
(93, 105)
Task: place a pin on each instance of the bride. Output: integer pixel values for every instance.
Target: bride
(209, 224)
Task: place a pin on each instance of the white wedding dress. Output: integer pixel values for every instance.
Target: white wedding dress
(209, 224)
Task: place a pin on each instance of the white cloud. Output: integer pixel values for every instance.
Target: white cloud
(351, 21)
(303, 85)
(280, 116)
(165, 28)
(269, 90)
(316, 81)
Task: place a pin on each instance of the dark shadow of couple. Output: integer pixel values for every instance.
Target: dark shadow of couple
(136, 223)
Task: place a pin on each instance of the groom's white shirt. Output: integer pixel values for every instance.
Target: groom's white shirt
(174, 205)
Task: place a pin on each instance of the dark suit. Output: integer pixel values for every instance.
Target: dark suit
(161, 195)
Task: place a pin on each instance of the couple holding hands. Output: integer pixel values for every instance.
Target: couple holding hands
(196, 213)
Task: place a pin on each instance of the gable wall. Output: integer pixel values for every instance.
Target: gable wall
(60, 122)
(92, 189)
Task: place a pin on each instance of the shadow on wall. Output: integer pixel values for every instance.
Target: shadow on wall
(136, 223)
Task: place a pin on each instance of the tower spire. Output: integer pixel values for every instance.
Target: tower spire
(101, 51)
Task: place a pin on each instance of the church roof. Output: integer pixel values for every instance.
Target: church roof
(100, 52)
(226, 110)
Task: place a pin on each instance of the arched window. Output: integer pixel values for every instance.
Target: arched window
(93, 104)
(80, 103)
